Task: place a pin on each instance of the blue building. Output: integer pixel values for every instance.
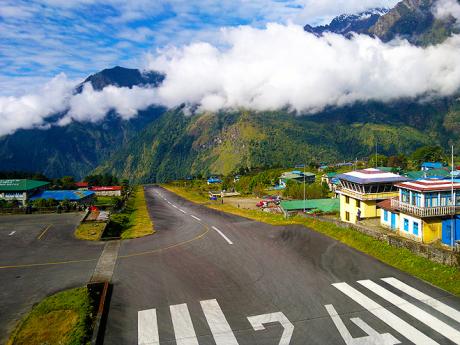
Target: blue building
(431, 165)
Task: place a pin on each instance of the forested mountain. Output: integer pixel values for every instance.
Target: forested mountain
(78, 148)
(161, 144)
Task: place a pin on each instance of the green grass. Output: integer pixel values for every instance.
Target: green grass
(62, 319)
(90, 231)
(105, 201)
(443, 276)
(139, 223)
(134, 221)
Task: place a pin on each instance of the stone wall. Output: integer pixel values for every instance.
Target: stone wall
(435, 254)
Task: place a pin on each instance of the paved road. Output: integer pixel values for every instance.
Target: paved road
(212, 278)
(38, 257)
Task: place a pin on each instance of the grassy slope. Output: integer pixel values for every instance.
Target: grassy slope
(90, 231)
(139, 223)
(443, 276)
(63, 318)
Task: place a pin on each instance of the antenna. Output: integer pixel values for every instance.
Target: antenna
(376, 156)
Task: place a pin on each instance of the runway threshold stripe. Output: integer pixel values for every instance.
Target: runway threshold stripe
(198, 219)
(401, 326)
(223, 235)
(221, 331)
(422, 297)
(183, 326)
(147, 327)
(414, 311)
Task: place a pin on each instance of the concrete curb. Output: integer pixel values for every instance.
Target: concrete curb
(102, 292)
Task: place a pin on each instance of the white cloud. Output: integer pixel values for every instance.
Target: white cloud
(92, 106)
(31, 110)
(261, 69)
(446, 8)
(282, 66)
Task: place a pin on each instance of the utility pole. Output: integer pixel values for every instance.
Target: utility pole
(304, 193)
(452, 223)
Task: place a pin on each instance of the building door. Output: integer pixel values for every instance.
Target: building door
(447, 231)
(393, 221)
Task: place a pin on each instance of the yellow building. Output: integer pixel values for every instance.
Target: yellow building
(425, 211)
(361, 190)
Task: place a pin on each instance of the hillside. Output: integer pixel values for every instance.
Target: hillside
(177, 146)
(159, 145)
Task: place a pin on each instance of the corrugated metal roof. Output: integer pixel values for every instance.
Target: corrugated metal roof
(429, 185)
(20, 185)
(369, 176)
(61, 195)
(433, 173)
(324, 205)
(432, 165)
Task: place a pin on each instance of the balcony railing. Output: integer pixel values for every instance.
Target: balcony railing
(366, 196)
(425, 211)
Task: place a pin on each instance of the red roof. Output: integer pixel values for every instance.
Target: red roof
(105, 188)
(81, 184)
(386, 205)
(429, 185)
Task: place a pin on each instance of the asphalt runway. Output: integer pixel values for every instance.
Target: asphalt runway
(207, 277)
(38, 257)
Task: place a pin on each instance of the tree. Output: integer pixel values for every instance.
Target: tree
(399, 161)
(378, 161)
(428, 154)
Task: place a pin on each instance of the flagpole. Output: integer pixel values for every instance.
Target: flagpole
(452, 226)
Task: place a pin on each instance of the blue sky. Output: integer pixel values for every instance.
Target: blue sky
(42, 38)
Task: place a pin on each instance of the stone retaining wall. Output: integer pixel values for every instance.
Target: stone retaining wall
(439, 255)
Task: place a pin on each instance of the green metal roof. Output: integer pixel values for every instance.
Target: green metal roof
(427, 174)
(20, 185)
(324, 205)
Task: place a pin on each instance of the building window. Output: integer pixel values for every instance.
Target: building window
(415, 228)
(405, 195)
(385, 216)
(358, 203)
(347, 199)
(347, 216)
(406, 224)
(431, 200)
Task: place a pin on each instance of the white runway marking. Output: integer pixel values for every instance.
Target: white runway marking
(257, 322)
(218, 324)
(223, 235)
(182, 211)
(417, 313)
(399, 325)
(373, 336)
(147, 327)
(174, 206)
(198, 219)
(11, 233)
(183, 326)
(434, 303)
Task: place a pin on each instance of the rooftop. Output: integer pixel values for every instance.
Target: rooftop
(20, 185)
(371, 176)
(429, 185)
(105, 188)
(61, 195)
(324, 205)
(433, 173)
(432, 165)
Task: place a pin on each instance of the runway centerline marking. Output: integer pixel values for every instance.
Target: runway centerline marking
(198, 219)
(11, 233)
(223, 235)
(44, 232)
(182, 211)
(414, 311)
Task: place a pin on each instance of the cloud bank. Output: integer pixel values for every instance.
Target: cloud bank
(282, 66)
(279, 66)
(447, 8)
